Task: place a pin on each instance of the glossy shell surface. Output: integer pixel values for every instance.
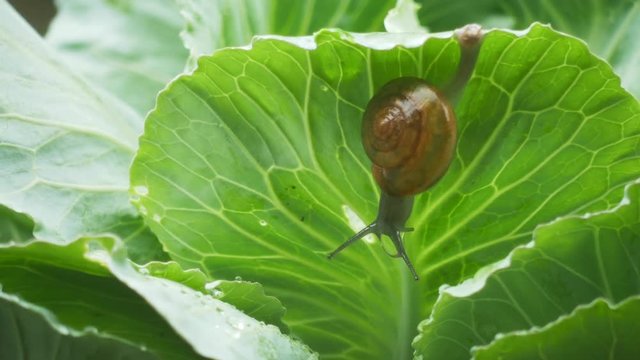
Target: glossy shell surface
(409, 133)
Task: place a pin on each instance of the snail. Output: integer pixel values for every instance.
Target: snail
(409, 133)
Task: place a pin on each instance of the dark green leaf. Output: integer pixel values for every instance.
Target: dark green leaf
(78, 297)
(596, 331)
(214, 24)
(572, 262)
(89, 286)
(25, 334)
(14, 226)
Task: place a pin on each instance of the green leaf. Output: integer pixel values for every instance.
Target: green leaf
(253, 166)
(596, 331)
(27, 335)
(214, 24)
(78, 297)
(130, 48)
(65, 147)
(14, 226)
(142, 245)
(610, 27)
(572, 262)
(89, 286)
(249, 297)
(214, 328)
(545, 130)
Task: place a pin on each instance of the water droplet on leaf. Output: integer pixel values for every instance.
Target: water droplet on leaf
(141, 190)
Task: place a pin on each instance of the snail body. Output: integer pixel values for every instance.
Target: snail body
(409, 134)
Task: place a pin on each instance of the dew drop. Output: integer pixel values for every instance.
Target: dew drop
(238, 325)
(156, 218)
(143, 271)
(238, 278)
(263, 223)
(324, 88)
(141, 190)
(143, 210)
(212, 285)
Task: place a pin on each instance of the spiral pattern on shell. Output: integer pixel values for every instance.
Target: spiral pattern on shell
(409, 133)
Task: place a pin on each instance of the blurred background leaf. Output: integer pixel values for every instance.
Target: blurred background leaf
(130, 48)
(610, 27)
(214, 24)
(26, 334)
(65, 146)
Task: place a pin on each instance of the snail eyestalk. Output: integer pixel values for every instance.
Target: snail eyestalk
(394, 211)
(359, 235)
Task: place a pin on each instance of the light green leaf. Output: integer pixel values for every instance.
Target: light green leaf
(610, 27)
(27, 335)
(65, 147)
(130, 48)
(572, 262)
(596, 331)
(246, 296)
(253, 167)
(214, 328)
(214, 24)
(89, 286)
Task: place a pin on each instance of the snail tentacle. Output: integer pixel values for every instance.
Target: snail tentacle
(397, 241)
(362, 233)
(392, 216)
(393, 233)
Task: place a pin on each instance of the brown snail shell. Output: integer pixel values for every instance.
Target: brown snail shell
(409, 133)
